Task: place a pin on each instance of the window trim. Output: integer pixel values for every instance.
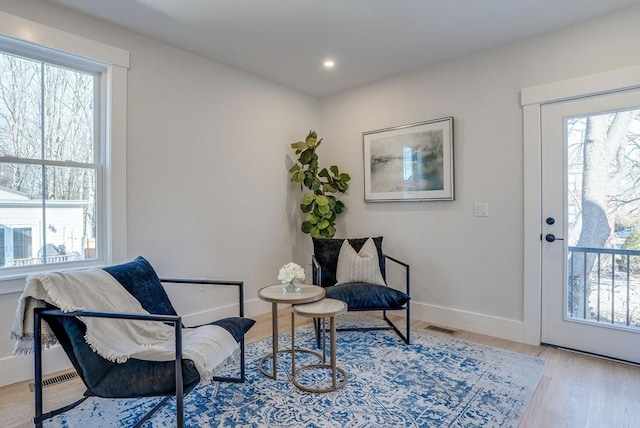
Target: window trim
(113, 109)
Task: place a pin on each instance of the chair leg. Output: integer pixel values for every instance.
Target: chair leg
(37, 348)
(405, 338)
(242, 368)
(155, 409)
(178, 374)
(242, 376)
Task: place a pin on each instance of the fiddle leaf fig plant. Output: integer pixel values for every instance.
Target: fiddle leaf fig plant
(320, 206)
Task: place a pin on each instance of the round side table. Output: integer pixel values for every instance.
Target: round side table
(325, 308)
(274, 294)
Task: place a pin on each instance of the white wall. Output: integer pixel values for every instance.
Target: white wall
(467, 272)
(207, 180)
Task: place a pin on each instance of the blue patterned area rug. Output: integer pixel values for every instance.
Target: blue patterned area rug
(437, 381)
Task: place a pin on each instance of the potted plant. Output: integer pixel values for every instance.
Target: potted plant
(321, 207)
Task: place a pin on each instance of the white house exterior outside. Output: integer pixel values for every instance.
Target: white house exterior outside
(23, 230)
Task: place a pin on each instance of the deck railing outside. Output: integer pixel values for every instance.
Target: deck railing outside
(40, 260)
(611, 292)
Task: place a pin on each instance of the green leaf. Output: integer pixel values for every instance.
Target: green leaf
(308, 198)
(306, 227)
(329, 187)
(334, 169)
(312, 137)
(300, 145)
(306, 157)
(313, 165)
(314, 233)
(308, 181)
(339, 208)
(323, 224)
(329, 232)
(322, 200)
(306, 208)
(324, 209)
(324, 173)
(294, 168)
(312, 218)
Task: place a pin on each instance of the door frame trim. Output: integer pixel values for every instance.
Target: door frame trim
(531, 100)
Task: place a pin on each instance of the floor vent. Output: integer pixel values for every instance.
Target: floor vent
(64, 377)
(440, 329)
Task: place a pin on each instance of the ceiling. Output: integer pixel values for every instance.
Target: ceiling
(286, 41)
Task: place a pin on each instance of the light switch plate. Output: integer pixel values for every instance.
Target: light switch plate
(481, 209)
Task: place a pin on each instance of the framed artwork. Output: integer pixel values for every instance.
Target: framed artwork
(409, 163)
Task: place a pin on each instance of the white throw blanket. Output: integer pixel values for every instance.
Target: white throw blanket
(114, 339)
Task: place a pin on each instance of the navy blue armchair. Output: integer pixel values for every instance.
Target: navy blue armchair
(361, 296)
(134, 378)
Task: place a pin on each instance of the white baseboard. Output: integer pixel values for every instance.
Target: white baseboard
(257, 307)
(474, 322)
(503, 328)
(18, 368)
(252, 308)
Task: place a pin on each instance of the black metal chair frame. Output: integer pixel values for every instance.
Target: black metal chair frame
(317, 275)
(175, 320)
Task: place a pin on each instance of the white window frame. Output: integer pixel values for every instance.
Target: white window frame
(112, 136)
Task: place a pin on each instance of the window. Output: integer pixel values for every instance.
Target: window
(50, 158)
(62, 149)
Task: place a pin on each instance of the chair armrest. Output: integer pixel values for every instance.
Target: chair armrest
(117, 315)
(316, 271)
(239, 284)
(407, 270)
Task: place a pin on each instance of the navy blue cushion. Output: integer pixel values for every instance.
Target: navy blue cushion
(367, 297)
(140, 378)
(237, 326)
(139, 278)
(327, 251)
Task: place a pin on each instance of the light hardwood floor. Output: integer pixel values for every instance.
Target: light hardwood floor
(576, 390)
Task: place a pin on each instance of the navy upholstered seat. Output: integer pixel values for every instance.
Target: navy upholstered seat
(361, 296)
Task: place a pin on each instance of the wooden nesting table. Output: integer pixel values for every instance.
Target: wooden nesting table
(322, 309)
(274, 294)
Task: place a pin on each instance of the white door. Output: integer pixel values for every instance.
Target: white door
(591, 225)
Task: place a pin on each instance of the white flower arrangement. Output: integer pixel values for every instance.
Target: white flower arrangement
(291, 272)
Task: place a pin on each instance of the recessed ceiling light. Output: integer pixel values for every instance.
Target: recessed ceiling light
(329, 63)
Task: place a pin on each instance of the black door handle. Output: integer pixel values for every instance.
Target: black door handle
(551, 237)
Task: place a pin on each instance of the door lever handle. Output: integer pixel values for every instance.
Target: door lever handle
(550, 237)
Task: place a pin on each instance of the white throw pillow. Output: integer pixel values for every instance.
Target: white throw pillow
(359, 267)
